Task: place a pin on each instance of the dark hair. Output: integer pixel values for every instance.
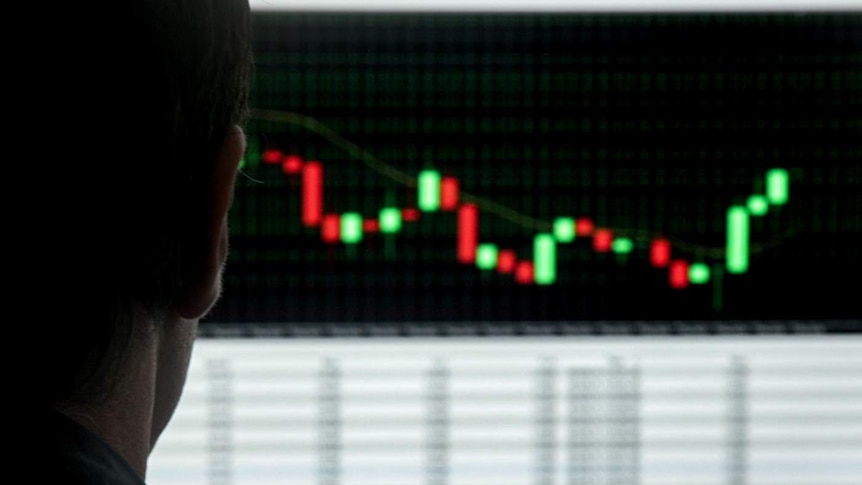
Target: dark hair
(128, 105)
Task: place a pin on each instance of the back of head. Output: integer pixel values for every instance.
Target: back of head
(120, 111)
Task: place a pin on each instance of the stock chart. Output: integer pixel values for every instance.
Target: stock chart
(621, 249)
(550, 168)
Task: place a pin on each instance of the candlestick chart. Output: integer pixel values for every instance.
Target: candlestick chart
(549, 168)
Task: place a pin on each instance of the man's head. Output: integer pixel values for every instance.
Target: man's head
(132, 146)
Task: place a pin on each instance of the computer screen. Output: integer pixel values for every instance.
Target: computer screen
(539, 243)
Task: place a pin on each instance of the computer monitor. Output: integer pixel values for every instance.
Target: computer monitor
(539, 243)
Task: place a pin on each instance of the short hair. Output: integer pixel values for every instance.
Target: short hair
(128, 105)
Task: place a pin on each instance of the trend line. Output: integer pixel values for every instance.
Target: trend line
(524, 220)
(437, 193)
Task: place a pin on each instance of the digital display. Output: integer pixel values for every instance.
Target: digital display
(538, 248)
(550, 168)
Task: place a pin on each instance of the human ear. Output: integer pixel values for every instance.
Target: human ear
(203, 288)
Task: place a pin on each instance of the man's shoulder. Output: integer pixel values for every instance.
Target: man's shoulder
(64, 452)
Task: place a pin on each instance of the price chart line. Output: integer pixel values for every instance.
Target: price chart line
(438, 193)
(487, 205)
